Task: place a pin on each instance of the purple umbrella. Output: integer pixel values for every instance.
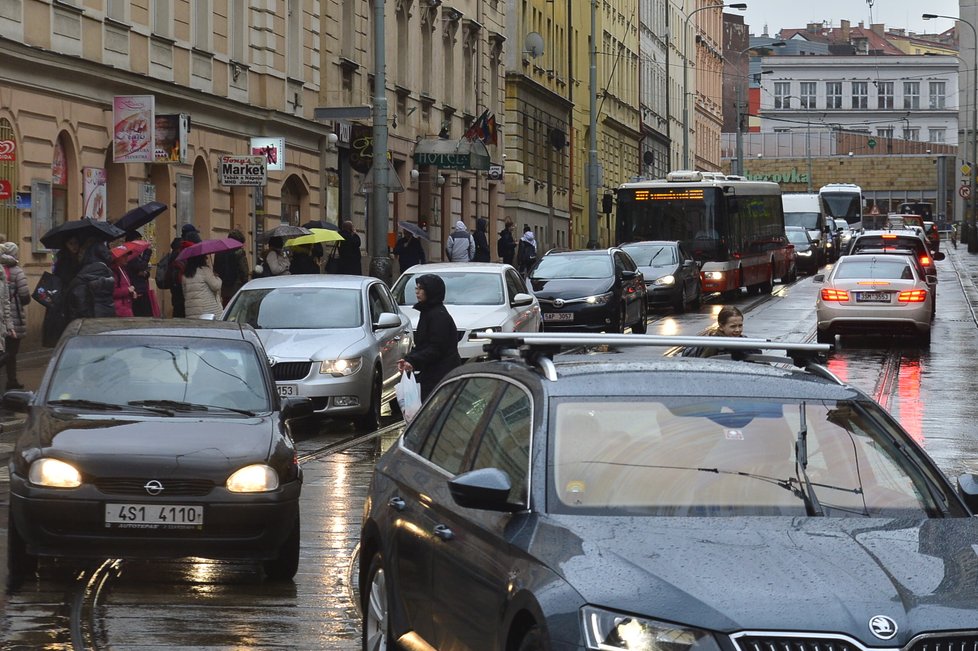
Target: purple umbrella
(209, 246)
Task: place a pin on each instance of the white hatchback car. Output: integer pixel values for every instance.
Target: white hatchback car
(480, 296)
(871, 294)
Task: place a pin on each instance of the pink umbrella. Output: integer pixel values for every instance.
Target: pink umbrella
(209, 246)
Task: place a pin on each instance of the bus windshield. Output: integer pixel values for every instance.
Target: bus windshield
(846, 205)
(690, 215)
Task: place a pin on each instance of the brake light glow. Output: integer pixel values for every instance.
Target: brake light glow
(889, 236)
(913, 296)
(924, 260)
(829, 294)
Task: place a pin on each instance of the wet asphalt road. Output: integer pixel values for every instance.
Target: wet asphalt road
(207, 605)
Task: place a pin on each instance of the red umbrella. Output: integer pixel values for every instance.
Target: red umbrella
(135, 246)
(209, 246)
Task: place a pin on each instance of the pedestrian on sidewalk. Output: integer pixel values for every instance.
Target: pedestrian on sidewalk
(349, 250)
(506, 245)
(482, 253)
(20, 296)
(201, 288)
(461, 244)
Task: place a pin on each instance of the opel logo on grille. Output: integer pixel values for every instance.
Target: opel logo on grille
(558, 302)
(883, 627)
(153, 487)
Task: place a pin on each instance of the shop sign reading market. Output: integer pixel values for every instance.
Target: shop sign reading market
(779, 177)
(242, 170)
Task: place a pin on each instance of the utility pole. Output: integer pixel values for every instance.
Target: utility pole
(592, 160)
(740, 128)
(380, 262)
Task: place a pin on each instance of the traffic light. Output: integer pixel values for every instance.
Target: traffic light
(606, 203)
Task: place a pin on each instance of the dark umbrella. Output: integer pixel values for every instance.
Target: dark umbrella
(285, 231)
(414, 229)
(139, 217)
(318, 223)
(209, 246)
(82, 229)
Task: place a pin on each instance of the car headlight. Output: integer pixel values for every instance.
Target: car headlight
(340, 367)
(54, 473)
(476, 334)
(805, 254)
(256, 478)
(665, 281)
(605, 631)
(713, 275)
(600, 299)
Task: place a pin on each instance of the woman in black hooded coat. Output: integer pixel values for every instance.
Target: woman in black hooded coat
(89, 293)
(435, 351)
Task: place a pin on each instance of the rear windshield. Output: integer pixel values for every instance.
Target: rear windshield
(871, 267)
(885, 243)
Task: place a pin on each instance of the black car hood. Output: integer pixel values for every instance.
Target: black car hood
(654, 273)
(570, 287)
(97, 442)
(786, 574)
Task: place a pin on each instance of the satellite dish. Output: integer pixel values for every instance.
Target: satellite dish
(533, 45)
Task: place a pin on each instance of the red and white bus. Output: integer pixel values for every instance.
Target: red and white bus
(733, 227)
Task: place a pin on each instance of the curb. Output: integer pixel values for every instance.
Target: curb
(967, 284)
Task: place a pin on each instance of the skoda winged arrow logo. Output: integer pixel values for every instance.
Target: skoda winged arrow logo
(882, 627)
(153, 487)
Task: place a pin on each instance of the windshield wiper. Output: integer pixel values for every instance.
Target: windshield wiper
(86, 404)
(801, 466)
(178, 405)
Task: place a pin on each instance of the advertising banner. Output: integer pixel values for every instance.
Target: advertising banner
(273, 149)
(242, 170)
(171, 138)
(93, 196)
(8, 151)
(133, 123)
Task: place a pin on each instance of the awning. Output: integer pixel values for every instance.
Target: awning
(446, 154)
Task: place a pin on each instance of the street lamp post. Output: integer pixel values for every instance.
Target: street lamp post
(740, 101)
(968, 234)
(740, 6)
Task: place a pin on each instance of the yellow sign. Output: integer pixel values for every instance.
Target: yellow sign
(966, 169)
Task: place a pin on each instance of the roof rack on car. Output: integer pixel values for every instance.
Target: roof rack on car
(538, 348)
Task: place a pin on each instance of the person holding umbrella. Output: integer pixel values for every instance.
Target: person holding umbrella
(137, 268)
(408, 250)
(90, 292)
(201, 288)
(124, 292)
(276, 260)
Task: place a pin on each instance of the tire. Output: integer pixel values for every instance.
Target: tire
(768, 286)
(680, 305)
(698, 299)
(642, 326)
(824, 337)
(20, 564)
(370, 421)
(532, 640)
(284, 566)
(375, 629)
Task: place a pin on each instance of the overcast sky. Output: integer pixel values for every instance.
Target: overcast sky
(778, 14)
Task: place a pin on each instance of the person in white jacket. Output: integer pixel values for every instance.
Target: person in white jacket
(201, 288)
(461, 245)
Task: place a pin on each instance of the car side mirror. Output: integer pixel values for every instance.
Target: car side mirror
(818, 278)
(487, 489)
(931, 279)
(688, 263)
(939, 255)
(295, 407)
(968, 490)
(522, 299)
(18, 401)
(628, 275)
(387, 320)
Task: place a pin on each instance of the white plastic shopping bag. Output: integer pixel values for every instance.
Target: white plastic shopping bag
(408, 396)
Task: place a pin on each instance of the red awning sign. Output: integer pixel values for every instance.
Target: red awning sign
(6, 191)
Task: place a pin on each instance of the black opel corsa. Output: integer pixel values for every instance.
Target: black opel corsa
(615, 499)
(155, 439)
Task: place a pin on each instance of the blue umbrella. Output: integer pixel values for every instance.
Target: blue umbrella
(414, 229)
(139, 217)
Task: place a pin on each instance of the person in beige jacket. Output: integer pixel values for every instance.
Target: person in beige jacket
(201, 288)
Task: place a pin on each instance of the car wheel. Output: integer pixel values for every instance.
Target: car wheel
(680, 305)
(20, 564)
(532, 640)
(767, 286)
(698, 298)
(824, 337)
(642, 326)
(284, 566)
(371, 420)
(376, 627)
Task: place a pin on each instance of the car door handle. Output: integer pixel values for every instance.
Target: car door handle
(443, 532)
(396, 503)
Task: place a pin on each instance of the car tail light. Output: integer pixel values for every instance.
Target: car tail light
(924, 260)
(889, 237)
(912, 296)
(829, 294)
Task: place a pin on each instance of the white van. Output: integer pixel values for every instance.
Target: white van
(805, 210)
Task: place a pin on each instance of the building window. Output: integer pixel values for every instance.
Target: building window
(937, 90)
(911, 94)
(782, 94)
(911, 133)
(860, 94)
(201, 25)
(884, 91)
(886, 132)
(936, 134)
(833, 94)
(161, 18)
(807, 94)
(116, 10)
(294, 39)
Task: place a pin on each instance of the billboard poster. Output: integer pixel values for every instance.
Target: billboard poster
(8, 151)
(93, 195)
(171, 138)
(242, 170)
(133, 123)
(273, 149)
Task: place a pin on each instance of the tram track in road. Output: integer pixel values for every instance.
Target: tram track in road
(84, 601)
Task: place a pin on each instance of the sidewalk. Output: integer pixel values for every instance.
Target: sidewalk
(965, 265)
